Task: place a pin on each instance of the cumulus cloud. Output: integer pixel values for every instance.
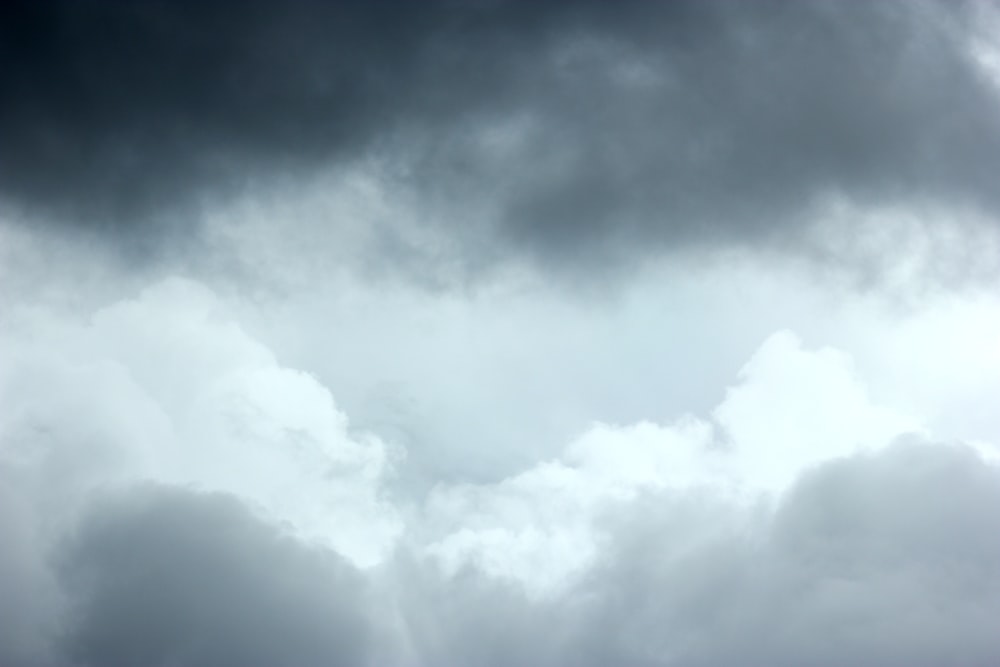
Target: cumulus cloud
(796, 406)
(569, 135)
(861, 562)
(167, 388)
(858, 564)
(792, 409)
(161, 576)
(177, 496)
(29, 594)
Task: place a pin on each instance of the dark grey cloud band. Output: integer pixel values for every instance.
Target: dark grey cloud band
(581, 133)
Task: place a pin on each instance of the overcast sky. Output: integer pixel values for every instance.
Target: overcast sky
(483, 332)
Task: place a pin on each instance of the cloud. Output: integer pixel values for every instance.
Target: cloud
(160, 576)
(165, 387)
(795, 407)
(543, 528)
(860, 563)
(180, 496)
(29, 593)
(566, 136)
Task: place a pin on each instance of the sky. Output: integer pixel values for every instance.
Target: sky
(499, 333)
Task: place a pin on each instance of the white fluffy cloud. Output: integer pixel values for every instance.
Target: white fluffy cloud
(166, 388)
(796, 407)
(792, 409)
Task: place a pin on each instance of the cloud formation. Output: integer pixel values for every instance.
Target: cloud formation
(860, 564)
(231, 435)
(565, 134)
(161, 576)
(166, 388)
(774, 531)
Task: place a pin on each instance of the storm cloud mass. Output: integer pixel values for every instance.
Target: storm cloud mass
(650, 334)
(579, 133)
(223, 588)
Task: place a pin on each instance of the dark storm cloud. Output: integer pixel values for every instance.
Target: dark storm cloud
(588, 131)
(112, 110)
(166, 576)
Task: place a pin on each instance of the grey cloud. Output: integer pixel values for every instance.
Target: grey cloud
(582, 134)
(162, 576)
(888, 559)
(883, 560)
(28, 592)
(880, 559)
(727, 126)
(113, 111)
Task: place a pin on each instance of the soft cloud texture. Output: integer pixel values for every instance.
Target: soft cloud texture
(499, 333)
(568, 136)
(162, 576)
(792, 409)
(171, 509)
(165, 387)
(862, 562)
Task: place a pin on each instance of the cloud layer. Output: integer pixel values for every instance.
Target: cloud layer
(163, 517)
(499, 333)
(168, 576)
(563, 134)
